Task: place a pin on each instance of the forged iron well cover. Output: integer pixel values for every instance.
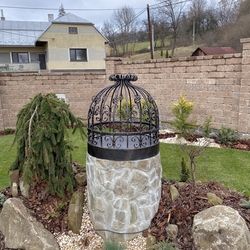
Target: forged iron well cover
(123, 122)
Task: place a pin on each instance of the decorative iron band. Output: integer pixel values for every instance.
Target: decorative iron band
(123, 154)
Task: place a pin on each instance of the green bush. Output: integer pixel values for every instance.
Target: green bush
(167, 55)
(112, 244)
(8, 131)
(206, 129)
(184, 170)
(181, 123)
(43, 148)
(245, 204)
(126, 111)
(2, 199)
(226, 136)
(163, 245)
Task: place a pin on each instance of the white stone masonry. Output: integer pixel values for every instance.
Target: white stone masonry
(123, 196)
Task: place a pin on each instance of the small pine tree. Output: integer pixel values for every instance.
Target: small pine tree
(43, 152)
(167, 56)
(184, 170)
(161, 53)
(61, 11)
(181, 111)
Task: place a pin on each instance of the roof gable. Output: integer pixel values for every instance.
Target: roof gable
(215, 50)
(26, 33)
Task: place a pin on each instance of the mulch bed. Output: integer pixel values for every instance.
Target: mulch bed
(180, 212)
(191, 201)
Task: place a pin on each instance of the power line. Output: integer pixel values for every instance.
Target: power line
(41, 8)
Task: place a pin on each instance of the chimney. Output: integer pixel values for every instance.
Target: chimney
(2, 17)
(50, 17)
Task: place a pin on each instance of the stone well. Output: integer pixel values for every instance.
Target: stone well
(123, 160)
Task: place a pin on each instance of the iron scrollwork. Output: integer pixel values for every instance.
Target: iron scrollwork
(123, 117)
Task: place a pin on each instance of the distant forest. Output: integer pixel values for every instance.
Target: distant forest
(175, 23)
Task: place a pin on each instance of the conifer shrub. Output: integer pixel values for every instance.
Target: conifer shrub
(126, 110)
(2, 199)
(163, 245)
(167, 55)
(227, 136)
(43, 147)
(184, 170)
(112, 244)
(206, 129)
(181, 122)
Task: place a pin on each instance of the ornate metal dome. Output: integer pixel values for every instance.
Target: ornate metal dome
(123, 122)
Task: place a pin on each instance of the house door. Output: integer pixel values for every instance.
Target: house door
(42, 61)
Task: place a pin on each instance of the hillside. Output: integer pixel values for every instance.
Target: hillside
(179, 52)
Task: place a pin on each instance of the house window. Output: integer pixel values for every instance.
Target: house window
(21, 57)
(78, 55)
(73, 30)
(4, 57)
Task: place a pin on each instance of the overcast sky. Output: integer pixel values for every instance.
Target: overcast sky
(95, 11)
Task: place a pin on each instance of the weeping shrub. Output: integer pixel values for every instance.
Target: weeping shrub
(43, 148)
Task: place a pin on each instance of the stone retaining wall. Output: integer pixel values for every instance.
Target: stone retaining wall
(219, 86)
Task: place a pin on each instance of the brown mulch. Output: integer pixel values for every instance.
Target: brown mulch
(191, 201)
(51, 211)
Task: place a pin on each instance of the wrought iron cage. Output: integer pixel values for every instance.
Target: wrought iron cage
(123, 122)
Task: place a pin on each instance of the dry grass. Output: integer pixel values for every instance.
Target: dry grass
(179, 52)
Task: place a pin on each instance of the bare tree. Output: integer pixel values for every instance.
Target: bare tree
(193, 151)
(172, 12)
(123, 25)
(203, 19)
(109, 31)
(161, 28)
(244, 8)
(227, 12)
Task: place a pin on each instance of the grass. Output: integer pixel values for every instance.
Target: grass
(228, 166)
(8, 153)
(137, 55)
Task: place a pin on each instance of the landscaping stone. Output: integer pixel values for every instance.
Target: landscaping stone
(14, 189)
(24, 187)
(75, 211)
(172, 231)
(151, 240)
(173, 192)
(14, 176)
(220, 227)
(214, 199)
(81, 178)
(21, 230)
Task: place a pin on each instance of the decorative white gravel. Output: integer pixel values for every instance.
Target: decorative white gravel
(87, 239)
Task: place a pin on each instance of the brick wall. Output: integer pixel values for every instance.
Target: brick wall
(218, 86)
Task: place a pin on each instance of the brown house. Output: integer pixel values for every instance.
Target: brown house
(205, 51)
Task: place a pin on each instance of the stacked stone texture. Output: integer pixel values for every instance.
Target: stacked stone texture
(217, 85)
(123, 196)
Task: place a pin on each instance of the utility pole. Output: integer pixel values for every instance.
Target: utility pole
(150, 34)
(193, 30)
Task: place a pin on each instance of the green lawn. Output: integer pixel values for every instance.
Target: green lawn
(228, 166)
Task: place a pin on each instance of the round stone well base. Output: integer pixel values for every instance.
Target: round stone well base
(123, 196)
